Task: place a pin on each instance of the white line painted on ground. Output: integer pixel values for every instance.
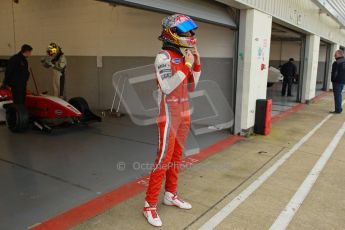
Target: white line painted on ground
(230, 207)
(296, 201)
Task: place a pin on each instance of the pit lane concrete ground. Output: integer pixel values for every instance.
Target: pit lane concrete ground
(214, 183)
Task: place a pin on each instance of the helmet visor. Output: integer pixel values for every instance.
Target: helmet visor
(186, 26)
(51, 51)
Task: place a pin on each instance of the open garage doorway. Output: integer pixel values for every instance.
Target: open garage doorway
(285, 44)
(323, 67)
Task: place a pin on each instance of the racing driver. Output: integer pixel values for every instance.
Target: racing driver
(56, 60)
(178, 72)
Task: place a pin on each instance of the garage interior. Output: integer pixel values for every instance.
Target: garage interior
(44, 175)
(285, 44)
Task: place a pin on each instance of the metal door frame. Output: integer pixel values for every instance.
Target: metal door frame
(301, 70)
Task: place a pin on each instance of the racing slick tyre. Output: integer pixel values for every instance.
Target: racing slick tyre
(81, 105)
(17, 118)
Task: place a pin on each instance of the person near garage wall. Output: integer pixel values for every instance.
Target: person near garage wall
(17, 74)
(177, 65)
(289, 71)
(57, 61)
(338, 80)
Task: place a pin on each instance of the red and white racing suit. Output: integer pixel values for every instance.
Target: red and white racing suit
(175, 80)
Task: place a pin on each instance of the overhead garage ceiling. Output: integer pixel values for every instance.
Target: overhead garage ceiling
(204, 10)
(280, 33)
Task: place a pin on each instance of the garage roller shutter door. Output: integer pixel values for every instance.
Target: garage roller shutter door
(204, 10)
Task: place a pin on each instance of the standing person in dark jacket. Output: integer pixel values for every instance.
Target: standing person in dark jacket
(338, 80)
(17, 74)
(289, 71)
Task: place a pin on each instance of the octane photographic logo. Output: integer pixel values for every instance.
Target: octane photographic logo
(136, 94)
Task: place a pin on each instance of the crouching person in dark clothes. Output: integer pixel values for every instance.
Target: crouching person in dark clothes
(17, 74)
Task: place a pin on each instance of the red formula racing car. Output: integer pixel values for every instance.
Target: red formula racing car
(43, 111)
